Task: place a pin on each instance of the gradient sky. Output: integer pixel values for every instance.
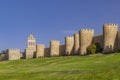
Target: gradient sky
(52, 19)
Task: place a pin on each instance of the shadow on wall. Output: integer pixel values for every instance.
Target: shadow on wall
(3, 57)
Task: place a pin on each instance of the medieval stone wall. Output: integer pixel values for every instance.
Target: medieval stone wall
(76, 43)
(62, 50)
(13, 54)
(98, 39)
(3, 57)
(29, 53)
(86, 38)
(69, 45)
(47, 52)
(118, 40)
(54, 48)
(40, 52)
(110, 36)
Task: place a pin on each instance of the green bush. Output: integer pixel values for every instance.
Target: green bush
(98, 48)
(91, 49)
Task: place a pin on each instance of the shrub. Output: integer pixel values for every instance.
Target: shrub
(91, 49)
(98, 48)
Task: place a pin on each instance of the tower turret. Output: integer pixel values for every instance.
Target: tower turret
(86, 38)
(69, 45)
(76, 43)
(109, 34)
(54, 48)
(31, 42)
(31, 47)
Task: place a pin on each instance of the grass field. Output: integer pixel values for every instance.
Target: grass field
(93, 67)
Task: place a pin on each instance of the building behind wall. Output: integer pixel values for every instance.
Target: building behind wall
(30, 51)
(31, 42)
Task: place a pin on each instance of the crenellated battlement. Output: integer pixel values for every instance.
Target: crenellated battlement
(76, 34)
(87, 30)
(54, 41)
(69, 37)
(110, 24)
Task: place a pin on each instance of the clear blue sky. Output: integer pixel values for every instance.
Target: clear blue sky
(52, 19)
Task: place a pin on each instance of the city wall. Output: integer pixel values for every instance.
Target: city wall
(74, 45)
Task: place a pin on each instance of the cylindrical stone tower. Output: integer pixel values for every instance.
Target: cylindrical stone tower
(40, 50)
(69, 45)
(86, 38)
(110, 35)
(76, 43)
(54, 48)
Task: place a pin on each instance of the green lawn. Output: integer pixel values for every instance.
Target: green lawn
(93, 67)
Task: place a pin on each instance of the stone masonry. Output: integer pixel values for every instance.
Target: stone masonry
(69, 45)
(40, 50)
(74, 45)
(13, 54)
(86, 38)
(54, 48)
